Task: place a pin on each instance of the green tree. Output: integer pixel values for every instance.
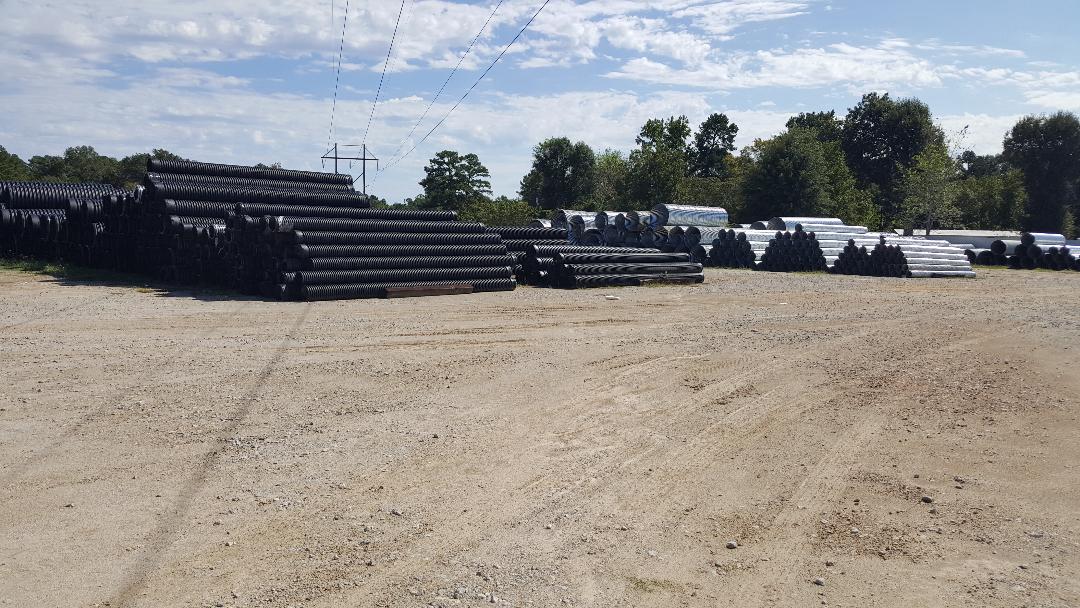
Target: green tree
(994, 201)
(562, 174)
(453, 181)
(788, 176)
(1047, 150)
(826, 126)
(928, 190)
(795, 173)
(713, 144)
(660, 162)
(13, 168)
(609, 182)
(78, 164)
(977, 165)
(881, 138)
(502, 211)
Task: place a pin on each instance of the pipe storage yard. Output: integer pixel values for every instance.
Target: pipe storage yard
(637, 425)
(302, 235)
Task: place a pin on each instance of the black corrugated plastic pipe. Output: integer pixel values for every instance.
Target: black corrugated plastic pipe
(388, 238)
(358, 251)
(321, 277)
(155, 165)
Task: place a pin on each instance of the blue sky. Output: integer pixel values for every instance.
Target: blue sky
(246, 82)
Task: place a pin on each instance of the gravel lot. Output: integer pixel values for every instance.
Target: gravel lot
(907, 442)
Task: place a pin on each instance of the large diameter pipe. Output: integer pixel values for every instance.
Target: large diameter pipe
(689, 215)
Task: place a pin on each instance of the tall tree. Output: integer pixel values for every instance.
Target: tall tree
(713, 143)
(562, 174)
(825, 125)
(12, 168)
(981, 165)
(995, 201)
(795, 173)
(928, 191)
(660, 161)
(78, 164)
(1047, 150)
(881, 137)
(788, 176)
(609, 183)
(453, 180)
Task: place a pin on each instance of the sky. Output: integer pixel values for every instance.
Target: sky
(247, 82)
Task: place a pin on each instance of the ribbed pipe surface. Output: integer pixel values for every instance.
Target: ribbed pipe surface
(460, 261)
(327, 224)
(243, 182)
(155, 165)
(528, 233)
(689, 215)
(255, 195)
(620, 258)
(357, 251)
(356, 213)
(301, 237)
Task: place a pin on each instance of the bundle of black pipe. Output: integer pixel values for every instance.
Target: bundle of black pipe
(853, 260)
(527, 233)
(792, 252)
(37, 217)
(49, 195)
(297, 257)
(188, 167)
(569, 270)
(536, 265)
(729, 249)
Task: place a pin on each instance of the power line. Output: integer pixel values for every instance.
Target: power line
(470, 89)
(337, 76)
(446, 82)
(383, 76)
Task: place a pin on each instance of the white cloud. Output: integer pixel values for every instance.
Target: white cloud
(838, 64)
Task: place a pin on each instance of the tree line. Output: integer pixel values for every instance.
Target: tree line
(885, 164)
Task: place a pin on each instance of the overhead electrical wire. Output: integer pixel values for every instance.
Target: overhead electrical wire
(442, 88)
(337, 76)
(470, 89)
(383, 76)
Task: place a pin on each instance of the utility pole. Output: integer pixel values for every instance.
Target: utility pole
(332, 153)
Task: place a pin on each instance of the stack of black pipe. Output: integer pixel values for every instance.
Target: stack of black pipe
(178, 225)
(35, 217)
(1031, 253)
(518, 239)
(370, 250)
(577, 266)
(792, 252)
(853, 260)
(539, 261)
(729, 249)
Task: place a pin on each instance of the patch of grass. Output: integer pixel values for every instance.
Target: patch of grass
(70, 272)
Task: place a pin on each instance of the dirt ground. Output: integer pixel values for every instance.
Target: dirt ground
(545, 448)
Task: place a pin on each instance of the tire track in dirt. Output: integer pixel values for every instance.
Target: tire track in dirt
(789, 543)
(49, 448)
(169, 524)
